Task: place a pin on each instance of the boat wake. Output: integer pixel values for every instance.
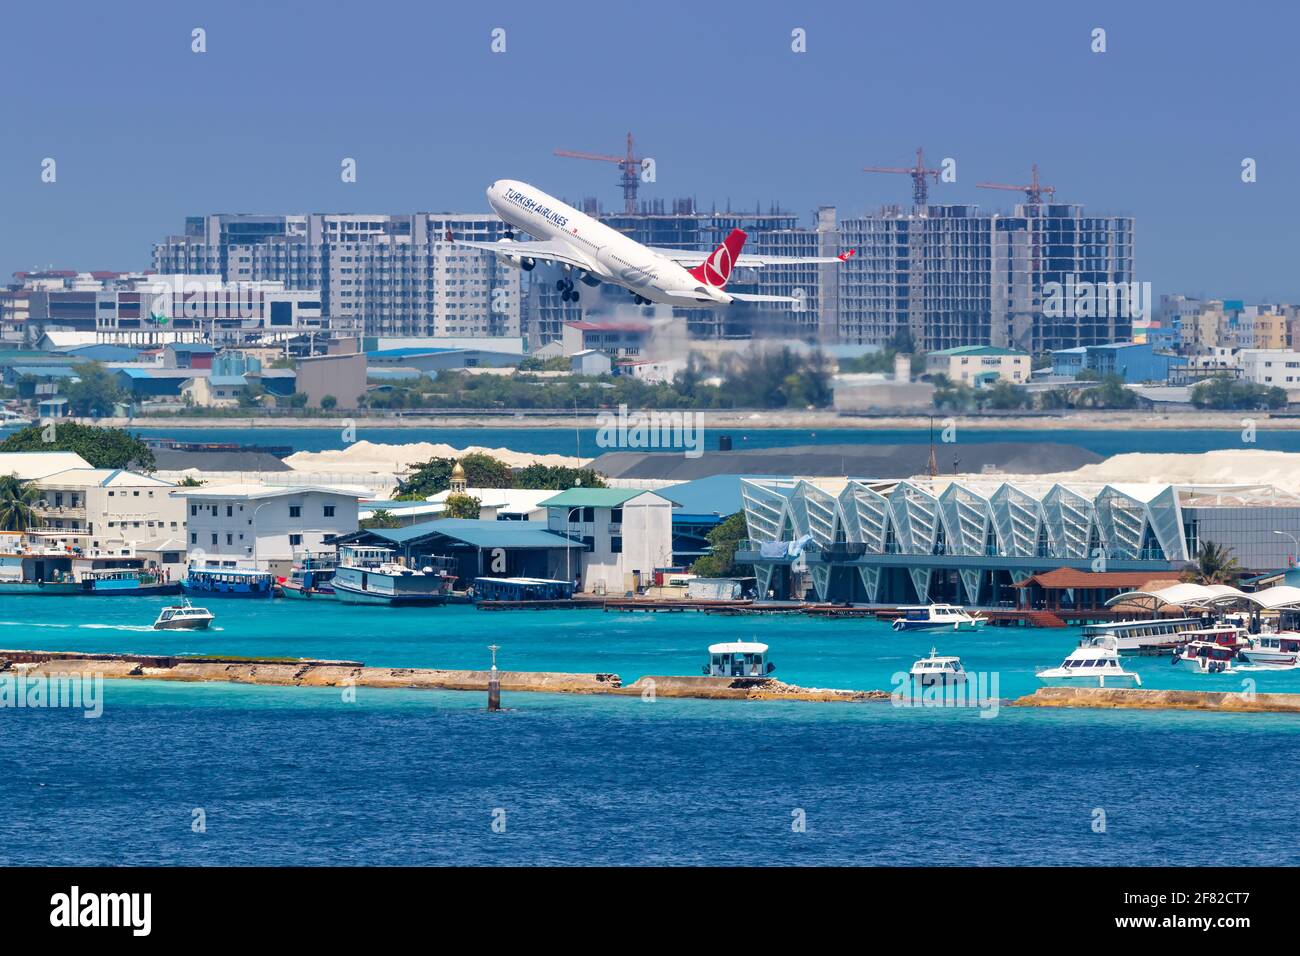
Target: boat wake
(31, 624)
(116, 627)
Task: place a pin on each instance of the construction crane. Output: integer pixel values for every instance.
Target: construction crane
(1034, 191)
(630, 164)
(920, 191)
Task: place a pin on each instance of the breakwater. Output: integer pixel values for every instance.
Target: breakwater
(291, 672)
(1136, 699)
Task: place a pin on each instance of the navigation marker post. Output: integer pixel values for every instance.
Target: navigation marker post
(494, 681)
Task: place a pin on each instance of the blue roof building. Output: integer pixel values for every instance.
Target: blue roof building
(1132, 361)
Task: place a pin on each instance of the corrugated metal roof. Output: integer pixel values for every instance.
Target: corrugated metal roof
(592, 497)
(479, 533)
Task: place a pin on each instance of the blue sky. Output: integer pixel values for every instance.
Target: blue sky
(146, 132)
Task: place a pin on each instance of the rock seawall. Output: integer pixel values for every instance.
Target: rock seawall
(1137, 699)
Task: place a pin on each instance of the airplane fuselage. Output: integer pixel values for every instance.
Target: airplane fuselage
(607, 254)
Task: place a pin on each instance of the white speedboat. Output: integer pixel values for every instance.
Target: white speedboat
(1272, 650)
(1206, 657)
(183, 617)
(1091, 663)
(933, 617)
(938, 670)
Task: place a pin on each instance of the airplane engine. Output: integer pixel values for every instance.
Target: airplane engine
(517, 261)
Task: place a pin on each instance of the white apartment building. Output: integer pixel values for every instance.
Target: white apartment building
(628, 532)
(1270, 367)
(263, 526)
(111, 510)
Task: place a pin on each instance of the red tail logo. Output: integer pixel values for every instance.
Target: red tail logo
(716, 269)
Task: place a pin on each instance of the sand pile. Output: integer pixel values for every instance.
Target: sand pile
(366, 457)
(1228, 467)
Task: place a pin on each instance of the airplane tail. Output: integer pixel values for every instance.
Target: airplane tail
(716, 269)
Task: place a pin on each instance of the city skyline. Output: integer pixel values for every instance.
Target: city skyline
(165, 133)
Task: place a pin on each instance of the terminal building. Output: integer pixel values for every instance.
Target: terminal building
(971, 540)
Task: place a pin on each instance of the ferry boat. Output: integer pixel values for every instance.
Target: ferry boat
(126, 582)
(1206, 657)
(1092, 663)
(367, 575)
(1272, 650)
(228, 582)
(183, 617)
(738, 659)
(1153, 635)
(312, 576)
(930, 617)
(1231, 636)
(938, 670)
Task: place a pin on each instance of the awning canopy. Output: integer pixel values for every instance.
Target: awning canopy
(1213, 595)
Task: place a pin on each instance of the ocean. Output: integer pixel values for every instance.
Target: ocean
(301, 776)
(581, 442)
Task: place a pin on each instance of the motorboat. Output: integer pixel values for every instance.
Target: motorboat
(1272, 650)
(938, 670)
(1096, 663)
(312, 575)
(368, 575)
(932, 617)
(183, 617)
(738, 659)
(1206, 657)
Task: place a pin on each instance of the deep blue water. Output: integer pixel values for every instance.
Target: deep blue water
(300, 776)
(568, 441)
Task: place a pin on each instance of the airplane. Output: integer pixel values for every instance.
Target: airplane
(597, 253)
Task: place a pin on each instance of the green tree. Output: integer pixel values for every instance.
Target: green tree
(329, 402)
(1214, 565)
(95, 391)
(556, 477)
(101, 447)
(1111, 393)
(720, 561)
(1222, 392)
(462, 506)
(380, 518)
(189, 481)
(17, 503)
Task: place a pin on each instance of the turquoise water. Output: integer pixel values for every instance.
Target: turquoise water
(858, 654)
(303, 776)
(582, 441)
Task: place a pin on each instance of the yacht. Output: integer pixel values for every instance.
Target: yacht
(938, 670)
(368, 575)
(183, 617)
(1091, 663)
(1272, 650)
(931, 617)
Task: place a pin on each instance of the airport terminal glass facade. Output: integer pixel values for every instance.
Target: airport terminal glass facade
(970, 540)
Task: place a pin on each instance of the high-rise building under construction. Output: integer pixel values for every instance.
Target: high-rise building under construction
(943, 276)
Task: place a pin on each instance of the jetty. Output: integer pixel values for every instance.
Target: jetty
(1139, 699)
(306, 672)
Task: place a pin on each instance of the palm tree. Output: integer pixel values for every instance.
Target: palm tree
(17, 503)
(1214, 565)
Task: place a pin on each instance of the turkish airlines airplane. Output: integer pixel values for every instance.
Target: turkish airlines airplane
(597, 253)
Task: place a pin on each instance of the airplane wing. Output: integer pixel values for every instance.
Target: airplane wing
(693, 257)
(548, 251)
